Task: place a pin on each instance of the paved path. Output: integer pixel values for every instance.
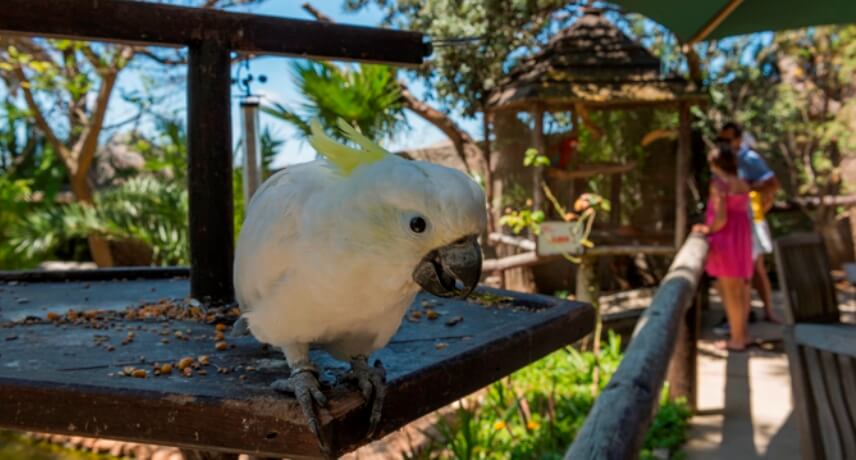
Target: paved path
(745, 409)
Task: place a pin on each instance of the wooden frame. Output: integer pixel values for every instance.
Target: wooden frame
(211, 37)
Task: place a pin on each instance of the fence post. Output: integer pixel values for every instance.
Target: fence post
(683, 367)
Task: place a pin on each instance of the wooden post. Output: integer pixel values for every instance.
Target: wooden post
(681, 173)
(683, 368)
(586, 287)
(209, 179)
(615, 200)
(540, 145)
(852, 212)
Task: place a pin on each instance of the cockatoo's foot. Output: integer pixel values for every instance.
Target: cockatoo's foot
(241, 327)
(370, 379)
(303, 383)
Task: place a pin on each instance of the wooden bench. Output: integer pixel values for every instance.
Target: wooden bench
(821, 351)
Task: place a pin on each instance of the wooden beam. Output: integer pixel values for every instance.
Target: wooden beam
(682, 173)
(619, 420)
(209, 176)
(538, 172)
(516, 241)
(167, 25)
(714, 22)
(615, 200)
(589, 170)
(528, 259)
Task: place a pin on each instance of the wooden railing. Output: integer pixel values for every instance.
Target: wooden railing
(663, 342)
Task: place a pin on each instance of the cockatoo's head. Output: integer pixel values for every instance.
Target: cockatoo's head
(416, 215)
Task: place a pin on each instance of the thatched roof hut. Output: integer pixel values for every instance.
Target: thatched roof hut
(594, 63)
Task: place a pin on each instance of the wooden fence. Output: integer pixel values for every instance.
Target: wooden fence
(664, 343)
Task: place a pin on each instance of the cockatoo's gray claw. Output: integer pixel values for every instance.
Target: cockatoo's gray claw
(240, 328)
(306, 388)
(371, 380)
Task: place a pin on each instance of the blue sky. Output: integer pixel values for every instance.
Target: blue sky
(280, 88)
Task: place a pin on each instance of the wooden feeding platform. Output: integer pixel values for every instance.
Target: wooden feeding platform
(64, 372)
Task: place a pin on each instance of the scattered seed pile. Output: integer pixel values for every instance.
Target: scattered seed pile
(156, 318)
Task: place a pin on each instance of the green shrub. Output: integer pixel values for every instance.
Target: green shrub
(536, 412)
(144, 209)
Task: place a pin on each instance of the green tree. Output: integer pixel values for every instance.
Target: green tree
(366, 95)
(66, 87)
(795, 94)
(461, 76)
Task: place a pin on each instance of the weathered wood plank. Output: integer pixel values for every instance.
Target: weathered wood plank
(835, 338)
(804, 407)
(848, 380)
(149, 23)
(830, 436)
(803, 268)
(616, 426)
(55, 378)
(112, 273)
(834, 390)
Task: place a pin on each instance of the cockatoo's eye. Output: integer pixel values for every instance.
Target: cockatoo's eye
(418, 224)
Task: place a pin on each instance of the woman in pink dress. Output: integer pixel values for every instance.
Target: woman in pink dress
(729, 233)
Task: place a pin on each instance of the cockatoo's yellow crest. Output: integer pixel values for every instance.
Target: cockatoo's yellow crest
(345, 158)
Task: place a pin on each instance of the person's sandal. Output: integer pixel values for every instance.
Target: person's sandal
(724, 346)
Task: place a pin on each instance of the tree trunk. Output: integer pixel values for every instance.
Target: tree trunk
(827, 226)
(99, 247)
(466, 147)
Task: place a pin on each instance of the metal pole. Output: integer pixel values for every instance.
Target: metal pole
(252, 154)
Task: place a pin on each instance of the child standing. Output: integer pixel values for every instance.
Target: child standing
(729, 233)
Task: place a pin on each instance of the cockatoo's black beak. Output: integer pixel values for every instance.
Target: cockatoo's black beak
(453, 270)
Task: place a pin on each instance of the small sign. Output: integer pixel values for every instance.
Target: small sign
(560, 237)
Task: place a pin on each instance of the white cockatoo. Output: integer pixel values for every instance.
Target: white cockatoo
(332, 253)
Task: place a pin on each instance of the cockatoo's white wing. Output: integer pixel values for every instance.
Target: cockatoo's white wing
(265, 253)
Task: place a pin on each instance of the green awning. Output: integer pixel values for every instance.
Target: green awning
(697, 20)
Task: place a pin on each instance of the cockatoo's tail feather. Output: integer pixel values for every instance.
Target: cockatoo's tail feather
(346, 159)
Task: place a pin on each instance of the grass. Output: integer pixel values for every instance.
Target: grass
(14, 446)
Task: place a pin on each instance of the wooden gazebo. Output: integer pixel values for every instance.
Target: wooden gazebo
(592, 65)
